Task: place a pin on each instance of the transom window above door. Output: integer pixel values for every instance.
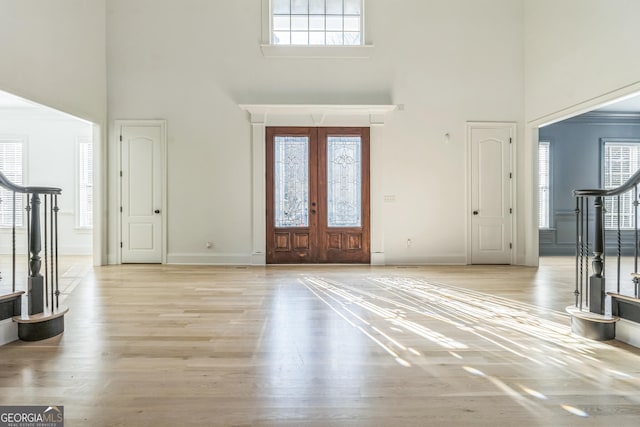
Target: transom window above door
(316, 22)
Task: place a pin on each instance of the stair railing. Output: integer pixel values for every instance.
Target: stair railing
(42, 228)
(591, 290)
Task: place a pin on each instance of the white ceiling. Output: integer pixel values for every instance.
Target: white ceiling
(14, 104)
(8, 100)
(629, 105)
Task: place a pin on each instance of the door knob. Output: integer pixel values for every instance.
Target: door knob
(475, 212)
(157, 211)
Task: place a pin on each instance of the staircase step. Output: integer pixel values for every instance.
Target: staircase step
(625, 306)
(592, 325)
(41, 326)
(10, 305)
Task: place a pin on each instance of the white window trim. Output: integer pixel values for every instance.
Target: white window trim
(550, 186)
(604, 142)
(270, 50)
(78, 226)
(21, 201)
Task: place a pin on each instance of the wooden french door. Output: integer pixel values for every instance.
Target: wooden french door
(317, 195)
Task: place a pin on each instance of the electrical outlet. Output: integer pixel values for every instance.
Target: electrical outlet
(209, 245)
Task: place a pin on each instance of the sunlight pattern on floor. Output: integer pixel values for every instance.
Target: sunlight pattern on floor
(398, 314)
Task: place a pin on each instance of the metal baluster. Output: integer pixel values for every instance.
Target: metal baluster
(635, 246)
(13, 246)
(578, 253)
(619, 245)
(55, 243)
(46, 264)
(28, 209)
(582, 257)
(587, 250)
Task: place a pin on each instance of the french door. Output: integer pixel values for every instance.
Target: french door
(317, 195)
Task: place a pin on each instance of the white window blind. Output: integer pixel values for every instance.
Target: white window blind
(316, 22)
(11, 165)
(621, 160)
(84, 217)
(543, 184)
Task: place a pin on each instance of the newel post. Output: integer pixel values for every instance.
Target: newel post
(597, 280)
(35, 281)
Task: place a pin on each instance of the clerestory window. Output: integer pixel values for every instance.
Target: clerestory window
(317, 22)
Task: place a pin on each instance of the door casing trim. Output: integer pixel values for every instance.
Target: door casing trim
(262, 115)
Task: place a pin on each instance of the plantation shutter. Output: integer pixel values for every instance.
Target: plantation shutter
(11, 165)
(543, 184)
(84, 217)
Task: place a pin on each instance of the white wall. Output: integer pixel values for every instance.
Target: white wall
(51, 144)
(578, 50)
(192, 62)
(54, 52)
(579, 54)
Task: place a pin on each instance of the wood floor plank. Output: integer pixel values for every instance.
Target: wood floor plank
(321, 346)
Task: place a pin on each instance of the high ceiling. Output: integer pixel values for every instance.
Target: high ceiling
(629, 105)
(8, 100)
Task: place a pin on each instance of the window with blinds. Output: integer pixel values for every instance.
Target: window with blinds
(84, 217)
(620, 161)
(316, 22)
(12, 166)
(544, 196)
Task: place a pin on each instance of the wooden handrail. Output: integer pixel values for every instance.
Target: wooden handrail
(6, 183)
(628, 185)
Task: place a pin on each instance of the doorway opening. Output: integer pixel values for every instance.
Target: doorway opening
(41, 146)
(596, 149)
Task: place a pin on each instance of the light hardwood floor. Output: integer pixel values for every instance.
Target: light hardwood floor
(324, 346)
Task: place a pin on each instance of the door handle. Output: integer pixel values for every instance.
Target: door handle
(157, 211)
(475, 212)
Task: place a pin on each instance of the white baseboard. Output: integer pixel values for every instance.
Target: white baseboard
(8, 331)
(430, 260)
(377, 258)
(258, 258)
(210, 259)
(628, 332)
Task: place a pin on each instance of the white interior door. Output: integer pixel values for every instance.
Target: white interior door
(491, 192)
(142, 193)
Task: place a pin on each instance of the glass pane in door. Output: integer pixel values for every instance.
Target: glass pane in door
(344, 181)
(291, 180)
